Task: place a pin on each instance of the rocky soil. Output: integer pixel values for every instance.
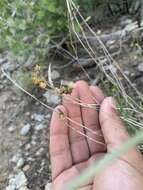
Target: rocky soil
(24, 123)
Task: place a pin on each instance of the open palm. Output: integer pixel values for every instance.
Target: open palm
(71, 152)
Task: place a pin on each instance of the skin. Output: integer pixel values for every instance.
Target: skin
(71, 153)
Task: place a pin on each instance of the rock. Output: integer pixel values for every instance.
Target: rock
(131, 72)
(25, 129)
(34, 137)
(30, 159)
(112, 45)
(38, 117)
(28, 146)
(20, 180)
(27, 154)
(48, 116)
(48, 186)
(111, 68)
(8, 66)
(110, 42)
(27, 113)
(140, 67)
(51, 97)
(26, 168)
(125, 20)
(20, 163)
(55, 75)
(10, 187)
(11, 129)
(132, 26)
(33, 142)
(127, 72)
(23, 188)
(40, 127)
(16, 157)
(113, 48)
(40, 151)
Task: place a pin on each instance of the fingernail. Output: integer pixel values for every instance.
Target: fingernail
(112, 102)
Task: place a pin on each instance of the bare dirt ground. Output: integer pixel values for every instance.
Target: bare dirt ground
(23, 152)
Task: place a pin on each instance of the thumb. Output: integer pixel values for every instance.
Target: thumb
(112, 127)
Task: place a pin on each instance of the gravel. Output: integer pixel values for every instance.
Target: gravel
(11, 129)
(140, 67)
(111, 68)
(40, 127)
(25, 129)
(16, 157)
(18, 182)
(38, 117)
(51, 97)
(48, 186)
(20, 163)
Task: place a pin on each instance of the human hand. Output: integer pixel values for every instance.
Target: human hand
(71, 153)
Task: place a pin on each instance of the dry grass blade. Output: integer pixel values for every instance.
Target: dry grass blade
(114, 78)
(83, 134)
(50, 77)
(52, 109)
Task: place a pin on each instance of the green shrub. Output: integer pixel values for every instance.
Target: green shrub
(23, 79)
(27, 26)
